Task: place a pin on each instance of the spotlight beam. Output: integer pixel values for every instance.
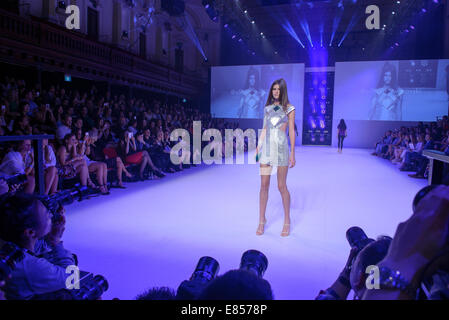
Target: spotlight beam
(354, 20)
(189, 30)
(288, 27)
(336, 23)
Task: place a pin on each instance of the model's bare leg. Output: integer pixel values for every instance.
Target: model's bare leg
(265, 173)
(282, 186)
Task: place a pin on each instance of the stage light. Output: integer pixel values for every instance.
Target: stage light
(412, 27)
(246, 11)
(393, 12)
(261, 33)
(253, 22)
(61, 5)
(210, 9)
(424, 10)
(226, 25)
(396, 44)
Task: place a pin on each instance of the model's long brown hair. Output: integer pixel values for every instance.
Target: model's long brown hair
(283, 96)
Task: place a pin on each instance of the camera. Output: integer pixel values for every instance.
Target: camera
(91, 287)
(10, 255)
(357, 238)
(55, 202)
(206, 270)
(254, 261)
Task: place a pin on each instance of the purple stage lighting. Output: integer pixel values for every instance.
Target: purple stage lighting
(412, 27)
(396, 44)
(424, 10)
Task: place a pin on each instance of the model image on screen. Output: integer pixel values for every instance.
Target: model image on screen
(278, 113)
(251, 96)
(387, 102)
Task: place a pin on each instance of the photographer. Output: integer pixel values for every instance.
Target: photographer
(23, 221)
(417, 242)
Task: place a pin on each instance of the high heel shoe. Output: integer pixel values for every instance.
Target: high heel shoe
(259, 232)
(286, 233)
(104, 190)
(159, 173)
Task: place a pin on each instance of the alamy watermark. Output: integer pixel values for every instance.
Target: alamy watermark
(372, 22)
(73, 280)
(73, 21)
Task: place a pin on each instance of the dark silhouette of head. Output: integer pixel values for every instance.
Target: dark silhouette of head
(158, 293)
(342, 124)
(237, 285)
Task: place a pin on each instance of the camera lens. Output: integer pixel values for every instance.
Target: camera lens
(421, 194)
(206, 269)
(357, 238)
(254, 261)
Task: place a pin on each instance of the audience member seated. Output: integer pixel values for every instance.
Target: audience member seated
(98, 167)
(51, 171)
(71, 163)
(128, 151)
(65, 128)
(20, 161)
(96, 153)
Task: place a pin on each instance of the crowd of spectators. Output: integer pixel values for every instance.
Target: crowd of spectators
(404, 147)
(98, 136)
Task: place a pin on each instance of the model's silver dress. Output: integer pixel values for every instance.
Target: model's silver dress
(274, 150)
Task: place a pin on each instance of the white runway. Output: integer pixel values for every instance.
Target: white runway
(153, 233)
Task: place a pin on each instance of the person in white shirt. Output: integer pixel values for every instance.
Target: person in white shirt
(65, 128)
(51, 172)
(20, 161)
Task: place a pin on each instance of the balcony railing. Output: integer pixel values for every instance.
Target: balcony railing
(43, 34)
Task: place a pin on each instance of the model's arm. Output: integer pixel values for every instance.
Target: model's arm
(291, 133)
(263, 133)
